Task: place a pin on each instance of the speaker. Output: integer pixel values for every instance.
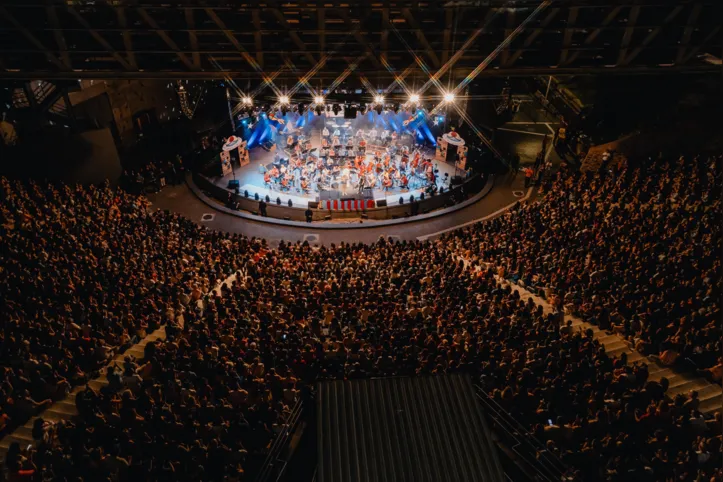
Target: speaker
(350, 112)
(233, 184)
(381, 203)
(329, 195)
(313, 204)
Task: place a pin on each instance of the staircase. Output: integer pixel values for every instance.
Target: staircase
(65, 409)
(709, 394)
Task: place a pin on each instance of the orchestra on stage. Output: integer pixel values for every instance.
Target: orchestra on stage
(366, 159)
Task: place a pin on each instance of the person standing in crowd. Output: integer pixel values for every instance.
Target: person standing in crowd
(529, 172)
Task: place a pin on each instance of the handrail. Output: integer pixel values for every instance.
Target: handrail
(280, 443)
(546, 463)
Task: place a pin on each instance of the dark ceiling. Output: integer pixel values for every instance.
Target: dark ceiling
(368, 42)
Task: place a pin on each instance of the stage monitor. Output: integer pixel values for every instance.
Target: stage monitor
(350, 112)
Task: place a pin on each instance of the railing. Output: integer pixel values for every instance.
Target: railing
(548, 466)
(274, 464)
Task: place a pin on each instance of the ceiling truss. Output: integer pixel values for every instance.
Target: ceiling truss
(106, 39)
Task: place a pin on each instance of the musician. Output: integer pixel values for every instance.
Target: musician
(359, 134)
(337, 132)
(267, 178)
(373, 133)
(325, 132)
(304, 184)
(385, 136)
(362, 183)
(404, 181)
(394, 137)
(387, 182)
(387, 161)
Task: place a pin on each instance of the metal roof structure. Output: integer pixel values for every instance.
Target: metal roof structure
(377, 40)
(404, 429)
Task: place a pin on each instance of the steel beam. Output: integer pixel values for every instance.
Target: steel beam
(164, 36)
(360, 38)
(58, 34)
(321, 26)
(32, 38)
(594, 34)
(192, 37)
(294, 36)
(407, 13)
(457, 73)
(567, 37)
(628, 35)
(510, 27)
(384, 41)
(231, 38)
(652, 34)
(533, 36)
(693, 51)
(127, 40)
(258, 43)
(98, 37)
(448, 21)
(688, 32)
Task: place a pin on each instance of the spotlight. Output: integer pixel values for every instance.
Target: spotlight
(449, 97)
(413, 98)
(379, 99)
(248, 100)
(319, 100)
(284, 99)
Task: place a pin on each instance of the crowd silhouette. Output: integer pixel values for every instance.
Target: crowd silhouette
(88, 271)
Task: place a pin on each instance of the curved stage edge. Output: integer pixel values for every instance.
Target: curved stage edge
(345, 223)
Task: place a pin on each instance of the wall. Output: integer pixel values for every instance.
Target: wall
(130, 97)
(472, 186)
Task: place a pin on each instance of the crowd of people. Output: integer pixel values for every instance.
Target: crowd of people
(630, 249)
(633, 249)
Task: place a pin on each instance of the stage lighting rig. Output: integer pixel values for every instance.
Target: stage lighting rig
(379, 99)
(413, 98)
(284, 100)
(248, 100)
(319, 100)
(449, 97)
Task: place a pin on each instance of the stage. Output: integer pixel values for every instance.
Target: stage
(310, 163)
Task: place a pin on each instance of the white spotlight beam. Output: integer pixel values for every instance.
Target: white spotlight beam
(493, 55)
(491, 14)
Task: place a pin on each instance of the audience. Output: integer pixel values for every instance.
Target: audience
(92, 270)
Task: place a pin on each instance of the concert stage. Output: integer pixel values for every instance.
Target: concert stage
(301, 164)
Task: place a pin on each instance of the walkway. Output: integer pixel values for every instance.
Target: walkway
(181, 200)
(710, 394)
(65, 409)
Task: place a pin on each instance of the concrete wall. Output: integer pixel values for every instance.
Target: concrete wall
(130, 97)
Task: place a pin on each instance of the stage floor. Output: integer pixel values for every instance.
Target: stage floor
(251, 178)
